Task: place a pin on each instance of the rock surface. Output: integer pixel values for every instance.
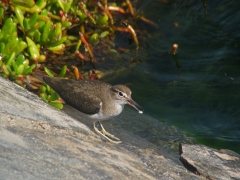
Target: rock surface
(210, 163)
(40, 142)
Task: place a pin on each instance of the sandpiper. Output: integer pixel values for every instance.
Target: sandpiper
(95, 100)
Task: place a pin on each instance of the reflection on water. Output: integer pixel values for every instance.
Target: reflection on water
(202, 98)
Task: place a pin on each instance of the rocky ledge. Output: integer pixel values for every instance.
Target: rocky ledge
(40, 142)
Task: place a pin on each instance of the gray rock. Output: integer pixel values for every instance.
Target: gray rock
(210, 163)
(40, 142)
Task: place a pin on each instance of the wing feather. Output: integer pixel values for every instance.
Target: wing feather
(74, 94)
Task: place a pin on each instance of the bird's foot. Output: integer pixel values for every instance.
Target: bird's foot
(109, 135)
(106, 134)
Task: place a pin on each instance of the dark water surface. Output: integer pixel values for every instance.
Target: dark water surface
(203, 97)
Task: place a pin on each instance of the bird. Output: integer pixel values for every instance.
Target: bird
(94, 99)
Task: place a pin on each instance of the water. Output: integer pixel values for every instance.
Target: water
(201, 98)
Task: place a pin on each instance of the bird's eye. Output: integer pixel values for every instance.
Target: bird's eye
(120, 94)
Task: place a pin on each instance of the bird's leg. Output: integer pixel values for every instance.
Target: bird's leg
(105, 134)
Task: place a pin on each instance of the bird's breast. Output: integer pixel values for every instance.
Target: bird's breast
(110, 111)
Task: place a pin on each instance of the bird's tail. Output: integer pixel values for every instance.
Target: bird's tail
(38, 76)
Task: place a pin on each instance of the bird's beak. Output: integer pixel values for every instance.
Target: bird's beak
(135, 105)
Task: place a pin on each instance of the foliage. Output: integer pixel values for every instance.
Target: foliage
(32, 33)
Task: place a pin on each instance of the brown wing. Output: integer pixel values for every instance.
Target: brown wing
(74, 94)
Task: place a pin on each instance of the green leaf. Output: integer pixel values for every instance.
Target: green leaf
(42, 58)
(65, 5)
(1, 12)
(20, 59)
(44, 97)
(26, 63)
(25, 24)
(103, 21)
(66, 24)
(46, 30)
(54, 96)
(58, 31)
(54, 44)
(24, 3)
(34, 52)
(2, 47)
(57, 48)
(9, 29)
(48, 88)
(15, 67)
(19, 15)
(29, 70)
(5, 69)
(94, 39)
(49, 73)
(10, 59)
(20, 69)
(37, 36)
(41, 3)
(56, 105)
(43, 89)
(63, 71)
(33, 19)
(20, 47)
(12, 42)
(104, 34)
(78, 45)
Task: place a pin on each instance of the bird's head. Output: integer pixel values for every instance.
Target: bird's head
(122, 95)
